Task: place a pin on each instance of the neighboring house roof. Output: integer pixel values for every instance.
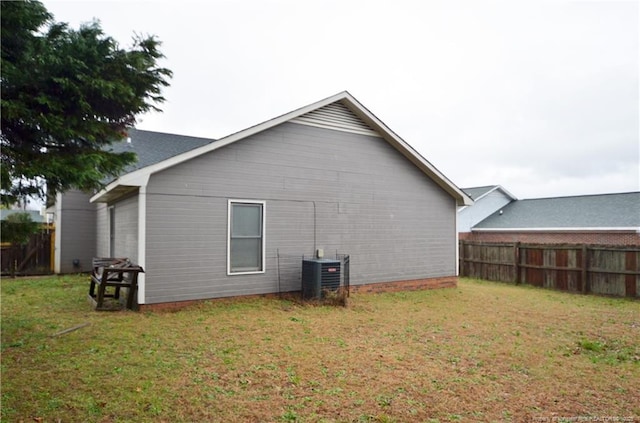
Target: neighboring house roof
(322, 114)
(35, 215)
(476, 193)
(585, 212)
(154, 147)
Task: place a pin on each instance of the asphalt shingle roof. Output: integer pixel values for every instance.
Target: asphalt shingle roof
(154, 147)
(585, 211)
(476, 192)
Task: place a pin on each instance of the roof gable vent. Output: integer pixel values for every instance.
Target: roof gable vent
(338, 117)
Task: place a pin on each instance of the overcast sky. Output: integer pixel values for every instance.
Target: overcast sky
(539, 97)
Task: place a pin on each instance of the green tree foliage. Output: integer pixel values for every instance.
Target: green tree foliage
(17, 228)
(66, 96)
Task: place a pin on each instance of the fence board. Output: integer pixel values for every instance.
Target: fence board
(494, 262)
(631, 264)
(532, 257)
(604, 282)
(34, 258)
(604, 270)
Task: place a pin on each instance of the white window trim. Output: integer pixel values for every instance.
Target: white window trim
(264, 241)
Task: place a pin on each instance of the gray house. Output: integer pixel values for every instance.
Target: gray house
(75, 232)
(75, 217)
(486, 201)
(218, 219)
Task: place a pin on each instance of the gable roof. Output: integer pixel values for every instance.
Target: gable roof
(328, 113)
(585, 212)
(153, 147)
(476, 193)
(150, 148)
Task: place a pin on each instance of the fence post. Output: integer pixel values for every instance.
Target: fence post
(630, 264)
(516, 261)
(585, 269)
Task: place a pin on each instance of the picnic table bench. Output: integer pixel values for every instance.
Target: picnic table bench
(113, 272)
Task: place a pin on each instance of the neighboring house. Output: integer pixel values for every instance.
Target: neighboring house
(486, 201)
(217, 220)
(609, 219)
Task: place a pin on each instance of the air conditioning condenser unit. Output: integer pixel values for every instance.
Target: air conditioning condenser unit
(319, 275)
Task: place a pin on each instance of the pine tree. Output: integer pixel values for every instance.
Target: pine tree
(66, 96)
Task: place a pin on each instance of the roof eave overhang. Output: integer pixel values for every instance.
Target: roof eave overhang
(121, 187)
(406, 150)
(140, 177)
(497, 188)
(113, 194)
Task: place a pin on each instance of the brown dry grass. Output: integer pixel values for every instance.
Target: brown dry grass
(481, 352)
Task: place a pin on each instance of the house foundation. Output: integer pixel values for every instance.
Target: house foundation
(380, 287)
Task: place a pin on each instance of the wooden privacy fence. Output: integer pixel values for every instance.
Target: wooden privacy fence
(604, 270)
(34, 258)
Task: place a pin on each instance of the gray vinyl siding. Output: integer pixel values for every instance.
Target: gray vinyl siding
(102, 230)
(351, 193)
(126, 230)
(469, 216)
(77, 232)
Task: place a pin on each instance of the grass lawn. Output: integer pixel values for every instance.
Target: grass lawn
(481, 352)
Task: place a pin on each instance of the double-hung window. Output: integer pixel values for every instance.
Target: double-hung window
(245, 245)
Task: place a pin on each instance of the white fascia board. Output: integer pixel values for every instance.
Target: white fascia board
(408, 151)
(140, 177)
(501, 188)
(497, 188)
(486, 193)
(595, 229)
(134, 177)
(96, 197)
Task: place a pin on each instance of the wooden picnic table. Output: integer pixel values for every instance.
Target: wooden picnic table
(113, 272)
